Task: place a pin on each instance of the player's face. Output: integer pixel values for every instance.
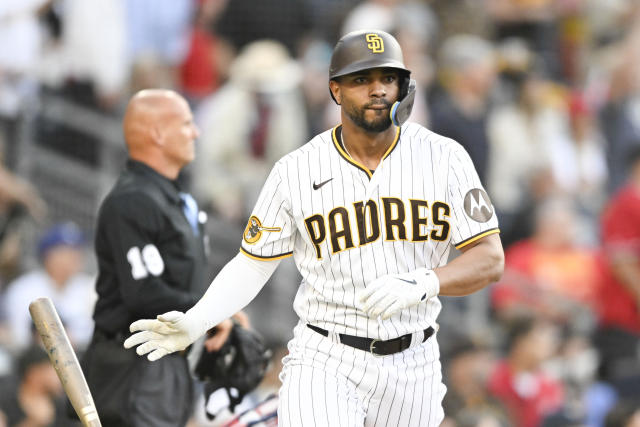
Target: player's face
(180, 133)
(366, 97)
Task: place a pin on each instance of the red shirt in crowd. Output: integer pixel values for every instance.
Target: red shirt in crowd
(528, 397)
(620, 233)
(198, 73)
(534, 273)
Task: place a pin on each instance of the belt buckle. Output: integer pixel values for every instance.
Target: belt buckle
(372, 346)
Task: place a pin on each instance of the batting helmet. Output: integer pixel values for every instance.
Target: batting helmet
(366, 49)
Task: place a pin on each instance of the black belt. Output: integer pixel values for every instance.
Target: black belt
(375, 346)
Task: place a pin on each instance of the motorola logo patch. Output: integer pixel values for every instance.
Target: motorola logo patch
(477, 205)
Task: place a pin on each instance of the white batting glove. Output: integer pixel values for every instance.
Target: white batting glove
(389, 294)
(169, 332)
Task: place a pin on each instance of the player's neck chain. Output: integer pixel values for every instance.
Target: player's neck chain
(344, 144)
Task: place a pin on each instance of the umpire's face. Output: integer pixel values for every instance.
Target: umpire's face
(366, 97)
(179, 132)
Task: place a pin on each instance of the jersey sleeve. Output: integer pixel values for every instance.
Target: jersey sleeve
(270, 231)
(473, 213)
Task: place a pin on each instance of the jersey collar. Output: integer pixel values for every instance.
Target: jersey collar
(336, 136)
(168, 187)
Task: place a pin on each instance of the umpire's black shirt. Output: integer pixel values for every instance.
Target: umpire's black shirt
(149, 259)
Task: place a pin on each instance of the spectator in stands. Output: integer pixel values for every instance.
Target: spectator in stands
(618, 118)
(549, 274)
(587, 400)
(625, 414)
(247, 125)
(35, 397)
(89, 63)
(520, 171)
(20, 205)
(243, 22)
(322, 113)
(372, 14)
(467, 369)
(462, 16)
(205, 66)
(518, 381)
(577, 156)
(533, 21)
(20, 48)
(460, 110)
(61, 252)
(158, 40)
(618, 336)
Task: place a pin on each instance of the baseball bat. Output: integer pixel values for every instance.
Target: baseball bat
(64, 360)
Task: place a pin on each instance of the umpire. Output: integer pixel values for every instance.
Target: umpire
(150, 247)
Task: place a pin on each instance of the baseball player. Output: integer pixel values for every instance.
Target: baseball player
(369, 210)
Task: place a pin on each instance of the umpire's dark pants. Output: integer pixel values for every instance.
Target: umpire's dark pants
(130, 391)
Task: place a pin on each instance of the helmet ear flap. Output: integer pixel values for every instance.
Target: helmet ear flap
(401, 109)
(405, 82)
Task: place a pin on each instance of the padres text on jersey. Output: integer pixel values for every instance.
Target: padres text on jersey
(346, 225)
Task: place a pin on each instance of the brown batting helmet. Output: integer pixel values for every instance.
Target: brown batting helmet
(366, 49)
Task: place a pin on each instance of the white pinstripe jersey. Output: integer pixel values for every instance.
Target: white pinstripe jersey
(346, 226)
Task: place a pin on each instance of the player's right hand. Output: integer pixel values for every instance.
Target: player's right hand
(168, 333)
(389, 294)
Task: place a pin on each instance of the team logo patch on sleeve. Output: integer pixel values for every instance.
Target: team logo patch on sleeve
(477, 205)
(254, 230)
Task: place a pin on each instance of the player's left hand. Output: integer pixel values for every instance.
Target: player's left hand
(389, 294)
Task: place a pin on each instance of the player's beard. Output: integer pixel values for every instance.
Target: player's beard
(379, 124)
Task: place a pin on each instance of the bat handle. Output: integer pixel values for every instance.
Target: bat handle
(90, 416)
(64, 360)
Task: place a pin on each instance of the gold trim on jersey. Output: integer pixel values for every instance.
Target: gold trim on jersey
(263, 257)
(354, 162)
(393, 144)
(346, 156)
(476, 237)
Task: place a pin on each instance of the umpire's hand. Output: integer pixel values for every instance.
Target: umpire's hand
(170, 332)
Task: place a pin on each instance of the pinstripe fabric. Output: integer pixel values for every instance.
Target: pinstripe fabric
(423, 168)
(329, 384)
(345, 227)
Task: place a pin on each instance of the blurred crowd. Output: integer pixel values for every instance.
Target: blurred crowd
(543, 94)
